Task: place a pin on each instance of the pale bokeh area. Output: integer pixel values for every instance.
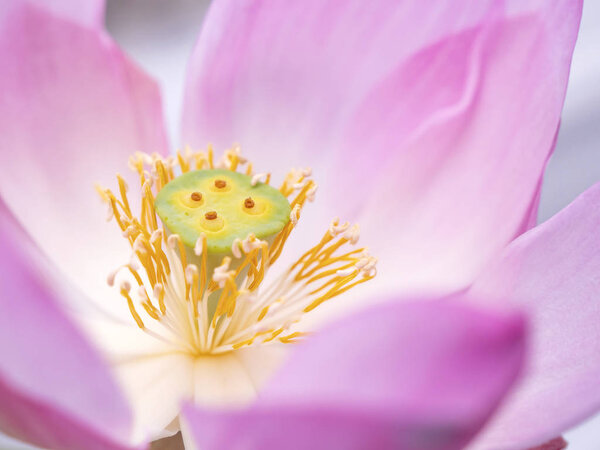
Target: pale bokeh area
(160, 34)
(575, 165)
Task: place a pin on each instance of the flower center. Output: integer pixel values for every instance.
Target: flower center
(204, 242)
(222, 204)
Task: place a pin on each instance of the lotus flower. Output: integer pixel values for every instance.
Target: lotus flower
(429, 124)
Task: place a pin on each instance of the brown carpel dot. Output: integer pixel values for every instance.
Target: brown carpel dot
(196, 196)
(253, 207)
(220, 184)
(211, 215)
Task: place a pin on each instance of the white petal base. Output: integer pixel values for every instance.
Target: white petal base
(157, 379)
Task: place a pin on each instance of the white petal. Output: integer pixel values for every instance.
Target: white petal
(235, 378)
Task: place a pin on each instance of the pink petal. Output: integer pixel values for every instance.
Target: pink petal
(434, 121)
(468, 145)
(86, 12)
(553, 273)
(403, 375)
(279, 78)
(55, 391)
(73, 110)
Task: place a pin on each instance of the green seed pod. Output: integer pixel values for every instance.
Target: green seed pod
(223, 205)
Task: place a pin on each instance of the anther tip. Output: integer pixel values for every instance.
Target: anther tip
(211, 215)
(172, 241)
(199, 246)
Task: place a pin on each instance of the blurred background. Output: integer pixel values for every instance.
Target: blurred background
(160, 35)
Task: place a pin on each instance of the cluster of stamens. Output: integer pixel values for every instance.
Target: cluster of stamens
(208, 306)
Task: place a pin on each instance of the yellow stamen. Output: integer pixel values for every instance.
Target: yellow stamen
(135, 315)
(214, 304)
